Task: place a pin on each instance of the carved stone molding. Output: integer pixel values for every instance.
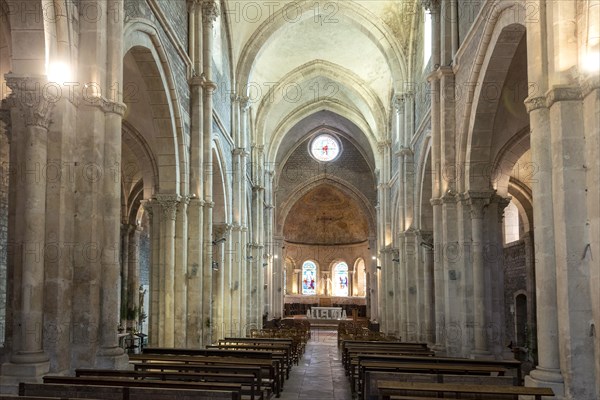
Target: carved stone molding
(589, 85)
(563, 93)
(383, 145)
(169, 204)
(436, 201)
(113, 107)
(535, 103)
(241, 151)
(210, 11)
(30, 97)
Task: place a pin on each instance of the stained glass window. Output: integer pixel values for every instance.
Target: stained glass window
(309, 278)
(340, 279)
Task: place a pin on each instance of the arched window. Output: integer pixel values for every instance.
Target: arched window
(340, 279)
(511, 223)
(427, 36)
(309, 278)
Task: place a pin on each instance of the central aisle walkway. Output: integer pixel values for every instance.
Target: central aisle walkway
(320, 374)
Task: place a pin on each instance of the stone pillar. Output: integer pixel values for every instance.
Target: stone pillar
(438, 278)
(180, 273)
(195, 295)
(210, 13)
(168, 204)
(547, 373)
(123, 303)
(428, 320)
(478, 201)
(133, 275)
(410, 249)
(153, 209)
(591, 125)
(30, 120)
(453, 275)
(573, 259)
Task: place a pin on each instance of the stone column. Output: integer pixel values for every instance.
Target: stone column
(30, 120)
(210, 13)
(478, 201)
(123, 304)
(168, 204)
(410, 262)
(438, 278)
(573, 258)
(180, 273)
(195, 275)
(591, 125)
(153, 209)
(133, 275)
(547, 373)
(428, 320)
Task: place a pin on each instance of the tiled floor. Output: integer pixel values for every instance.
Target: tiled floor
(320, 375)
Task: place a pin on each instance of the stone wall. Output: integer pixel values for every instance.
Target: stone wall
(467, 11)
(515, 280)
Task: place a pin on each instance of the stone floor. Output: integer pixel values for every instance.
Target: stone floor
(320, 374)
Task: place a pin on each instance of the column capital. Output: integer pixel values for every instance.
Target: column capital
(383, 145)
(450, 197)
(436, 201)
(210, 11)
(30, 98)
(241, 151)
(112, 107)
(478, 201)
(431, 5)
(535, 103)
(398, 103)
(193, 5)
(502, 203)
(169, 203)
(404, 151)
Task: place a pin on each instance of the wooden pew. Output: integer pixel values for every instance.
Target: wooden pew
(395, 389)
(427, 368)
(270, 366)
(251, 384)
(507, 364)
(279, 352)
(295, 346)
(222, 353)
(133, 383)
(61, 391)
(351, 348)
(265, 384)
(372, 378)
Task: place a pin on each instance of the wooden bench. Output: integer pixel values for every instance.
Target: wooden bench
(62, 391)
(221, 353)
(372, 379)
(131, 383)
(250, 382)
(296, 347)
(351, 352)
(507, 364)
(387, 389)
(279, 352)
(428, 368)
(270, 366)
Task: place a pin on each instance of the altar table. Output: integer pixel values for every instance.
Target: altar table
(326, 313)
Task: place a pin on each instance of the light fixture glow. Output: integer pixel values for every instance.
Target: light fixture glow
(58, 72)
(276, 256)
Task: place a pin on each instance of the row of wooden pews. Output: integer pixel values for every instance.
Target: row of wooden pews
(395, 370)
(234, 368)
